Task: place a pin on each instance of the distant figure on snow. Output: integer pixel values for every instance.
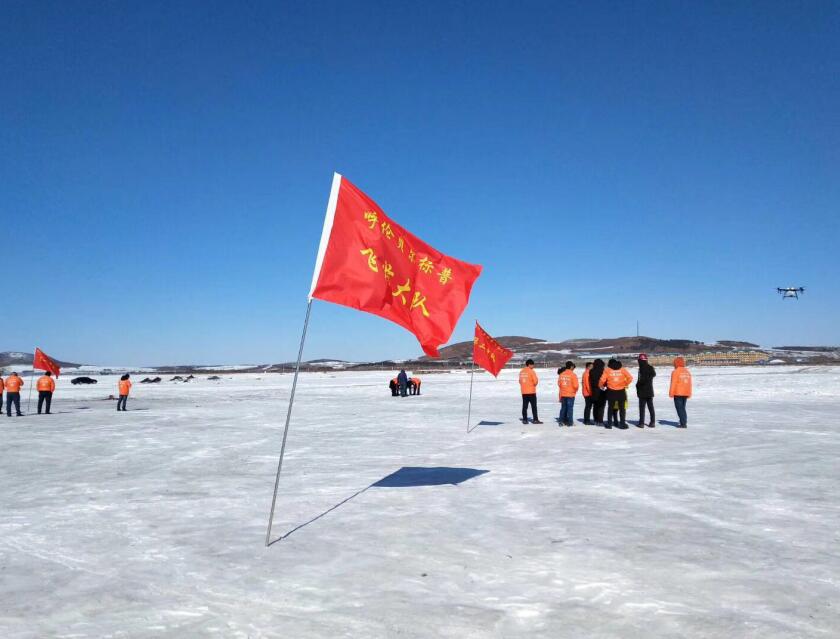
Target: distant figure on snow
(586, 390)
(414, 386)
(528, 381)
(402, 380)
(567, 382)
(644, 391)
(394, 387)
(125, 388)
(2, 388)
(680, 389)
(599, 394)
(46, 388)
(13, 385)
(616, 379)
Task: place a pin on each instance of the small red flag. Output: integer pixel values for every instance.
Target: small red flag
(369, 262)
(44, 362)
(488, 353)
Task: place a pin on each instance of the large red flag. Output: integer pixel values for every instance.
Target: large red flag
(44, 362)
(488, 353)
(369, 262)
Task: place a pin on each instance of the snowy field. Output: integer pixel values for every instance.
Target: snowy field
(151, 523)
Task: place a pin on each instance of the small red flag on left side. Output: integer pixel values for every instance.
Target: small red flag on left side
(488, 353)
(44, 362)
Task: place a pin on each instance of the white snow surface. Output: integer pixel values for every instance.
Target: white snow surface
(151, 523)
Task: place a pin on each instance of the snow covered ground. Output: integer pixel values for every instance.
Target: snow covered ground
(151, 523)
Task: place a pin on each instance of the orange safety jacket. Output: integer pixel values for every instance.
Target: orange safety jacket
(2, 386)
(616, 379)
(587, 387)
(13, 384)
(567, 381)
(528, 381)
(125, 386)
(680, 382)
(416, 380)
(46, 384)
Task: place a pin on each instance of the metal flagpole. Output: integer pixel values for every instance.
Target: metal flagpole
(31, 384)
(469, 406)
(288, 418)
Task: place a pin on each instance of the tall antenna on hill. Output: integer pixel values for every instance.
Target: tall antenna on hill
(637, 328)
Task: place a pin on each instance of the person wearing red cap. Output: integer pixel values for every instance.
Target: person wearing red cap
(644, 391)
(680, 389)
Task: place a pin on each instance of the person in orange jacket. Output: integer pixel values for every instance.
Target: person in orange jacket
(586, 391)
(528, 381)
(125, 388)
(13, 385)
(616, 379)
(414, 386)
(46, 388)
(680, 389)
(2, 388)
(567, 382)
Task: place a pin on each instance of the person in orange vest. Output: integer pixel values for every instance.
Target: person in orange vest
(46, 388)
(586, 391)
(13, 385)
(616, 379)
(528, 381)
(2, 388)
(125, 388)
(680, 389)
(414, 386)
(567, 382)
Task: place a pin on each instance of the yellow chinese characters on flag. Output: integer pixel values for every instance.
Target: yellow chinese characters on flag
(369, 262)
(488, 353)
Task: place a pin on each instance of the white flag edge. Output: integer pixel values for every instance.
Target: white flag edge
(326, 232)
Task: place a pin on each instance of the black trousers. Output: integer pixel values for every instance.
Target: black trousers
(1, 402)
(531, 399)
(646, 402)
(12, 398)
(598, 408)
(44, 396)
(121, 402)
(587, 409)
(616, 397)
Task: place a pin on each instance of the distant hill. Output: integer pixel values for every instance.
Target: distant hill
(16, 358)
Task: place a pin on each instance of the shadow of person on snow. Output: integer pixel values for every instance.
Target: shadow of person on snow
(668, 422)
(405, 477)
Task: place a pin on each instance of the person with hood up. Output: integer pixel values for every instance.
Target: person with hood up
(599, 395)
(567, 382)
(644, 391)
(616, 379)
(680, 389)
(402, 380)
(586, 391)
(13, 386)
(528, 381)
(124, 388)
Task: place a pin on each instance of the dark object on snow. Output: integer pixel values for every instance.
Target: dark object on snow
(214, 377)
(83, 380)
(189, 378)
(147, 380)
(394, 387)
(177, 378)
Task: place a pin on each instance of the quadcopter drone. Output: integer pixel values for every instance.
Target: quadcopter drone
(790, 292)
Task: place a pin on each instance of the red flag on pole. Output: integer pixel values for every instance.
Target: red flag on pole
(44, 362)
(369, 262)
(488, 353)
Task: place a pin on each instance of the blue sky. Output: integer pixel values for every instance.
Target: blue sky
(164, 169)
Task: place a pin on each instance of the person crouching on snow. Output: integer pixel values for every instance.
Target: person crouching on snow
(568, 384)
(680, 389)
(616, 379)
(394, 387)
(415, 384)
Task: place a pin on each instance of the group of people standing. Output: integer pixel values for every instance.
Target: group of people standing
(604, 387)
(46, 387)
(403, 385)
(12, 385)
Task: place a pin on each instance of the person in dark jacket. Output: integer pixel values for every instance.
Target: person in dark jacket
(586, 389)
(402, 380)
(394, 387)
(644, 390)
(599, 395)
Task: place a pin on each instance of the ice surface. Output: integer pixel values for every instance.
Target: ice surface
(151, 523)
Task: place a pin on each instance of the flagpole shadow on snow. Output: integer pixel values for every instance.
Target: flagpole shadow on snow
(484, 423)
(405, 477)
